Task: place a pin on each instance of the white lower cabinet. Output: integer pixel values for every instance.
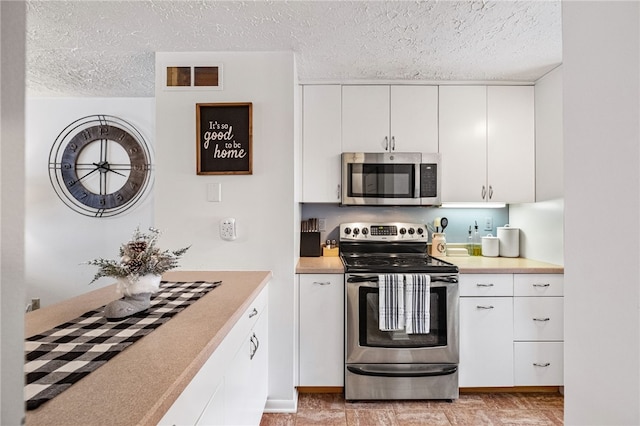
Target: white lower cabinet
(486, 341)
(511, 330)
(538, 329)
(231, 387)
(321, 330)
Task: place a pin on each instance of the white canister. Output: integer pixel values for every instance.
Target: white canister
(509, 241)
(490, 246)
(438, 245)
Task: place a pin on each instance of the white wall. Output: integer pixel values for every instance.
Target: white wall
(261, 203)
(601, 44)
(542, 223)
(12, 78)
(57, 239)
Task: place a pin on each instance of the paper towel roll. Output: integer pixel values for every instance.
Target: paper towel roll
(509, 241)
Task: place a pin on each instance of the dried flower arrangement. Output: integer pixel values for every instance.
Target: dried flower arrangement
(138, 257)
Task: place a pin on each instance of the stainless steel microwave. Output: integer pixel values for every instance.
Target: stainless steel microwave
(391, 179)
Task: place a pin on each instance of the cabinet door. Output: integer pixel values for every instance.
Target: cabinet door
(321, 143)
(365, 118)
(511, 144)
(258, 385)
(321, 333)
(463, 137)
(414, 118)
(486, 341)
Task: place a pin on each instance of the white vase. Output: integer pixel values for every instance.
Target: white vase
(149, 283)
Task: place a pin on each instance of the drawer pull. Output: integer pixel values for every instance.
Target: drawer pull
(542, 319)
(537, 364)
(255, 344)
(321, 283)
(253, 313)
(485, 285)
(484, 307)
(542, 285)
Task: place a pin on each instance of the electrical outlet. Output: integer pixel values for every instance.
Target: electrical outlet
(228, 229)
(322, 225)
(488, 224)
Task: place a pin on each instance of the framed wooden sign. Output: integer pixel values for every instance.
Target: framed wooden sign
(224, 136)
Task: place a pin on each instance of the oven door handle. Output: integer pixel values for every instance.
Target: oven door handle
(374, 279)
(381, 371)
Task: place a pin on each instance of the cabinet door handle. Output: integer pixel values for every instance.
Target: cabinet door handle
(484, 192)
(256, 344)
(542, 285)
(490, 191)
(484, 307)
(393, 143)
(484, 285)
(386, 143)
(338, 193)
(253, 313)
(322, 283)
(537, 364)
(542, 319)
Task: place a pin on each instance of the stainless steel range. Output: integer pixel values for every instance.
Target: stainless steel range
(384, 262)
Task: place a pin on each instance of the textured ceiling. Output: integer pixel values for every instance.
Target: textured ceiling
(107, 48)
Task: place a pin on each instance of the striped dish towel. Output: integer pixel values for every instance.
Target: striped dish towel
(417, 301)
(391, 302)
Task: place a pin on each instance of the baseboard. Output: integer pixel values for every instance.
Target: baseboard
(282, 405)
(320, 389)
(514, 389)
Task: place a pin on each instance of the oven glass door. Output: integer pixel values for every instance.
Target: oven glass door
(366, 343)
(370, 335)
(370, 180)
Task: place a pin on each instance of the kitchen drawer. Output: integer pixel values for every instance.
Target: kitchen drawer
(251, 315)
(538, 284)
(478, 285)
(539, 363)
(538, 318)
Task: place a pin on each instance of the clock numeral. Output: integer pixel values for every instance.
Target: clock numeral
(73, 147)
(71, 182)
(86, 134)
(104, 130)
(119, 197)
(138, 167)
(133, 185)
(83, 195)
(102, 201)
(66, 166)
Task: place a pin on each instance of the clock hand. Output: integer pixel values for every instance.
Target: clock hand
(92, 171)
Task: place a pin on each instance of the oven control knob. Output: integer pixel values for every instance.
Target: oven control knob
(347, 231)
(403, 231)
(356, 231)
(412, 231)
(420, 231)
(365, 231)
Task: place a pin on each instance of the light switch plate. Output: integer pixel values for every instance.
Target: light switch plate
(228, 229)
(214, 192)
(488, 224)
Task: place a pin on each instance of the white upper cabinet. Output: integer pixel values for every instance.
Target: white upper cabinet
(487, 143)
(389, 118)
(321, 145)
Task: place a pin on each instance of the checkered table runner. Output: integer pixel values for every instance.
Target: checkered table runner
(57, 358)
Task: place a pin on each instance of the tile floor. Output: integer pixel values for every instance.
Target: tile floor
(472, 409)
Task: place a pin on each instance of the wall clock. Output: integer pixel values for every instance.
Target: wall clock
(100, 166)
